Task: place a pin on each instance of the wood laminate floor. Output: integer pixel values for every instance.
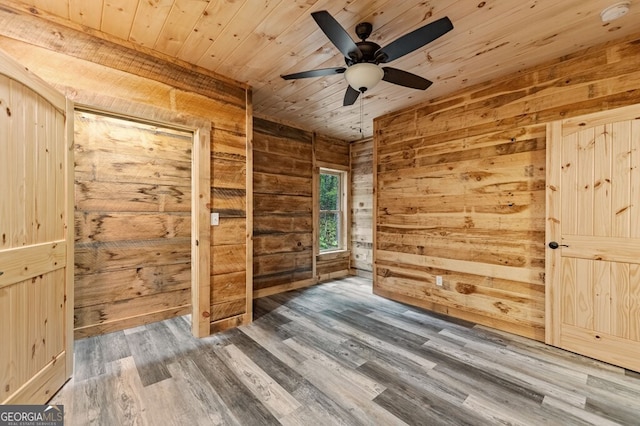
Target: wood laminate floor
(336, 354)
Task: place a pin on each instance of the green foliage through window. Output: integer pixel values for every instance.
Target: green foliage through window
(330, 211)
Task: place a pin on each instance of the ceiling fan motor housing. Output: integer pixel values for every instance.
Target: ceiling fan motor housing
(363, 30)
(368, 49)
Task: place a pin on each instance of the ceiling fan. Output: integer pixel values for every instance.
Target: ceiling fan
(363, 58)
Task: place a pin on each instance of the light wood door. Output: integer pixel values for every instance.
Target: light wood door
(593, 214)
(36, 237)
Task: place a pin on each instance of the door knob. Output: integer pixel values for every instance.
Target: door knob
(554, 245)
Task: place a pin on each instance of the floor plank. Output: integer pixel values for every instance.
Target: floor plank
(335, 354)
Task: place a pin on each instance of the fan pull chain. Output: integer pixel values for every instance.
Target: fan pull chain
(361, 116)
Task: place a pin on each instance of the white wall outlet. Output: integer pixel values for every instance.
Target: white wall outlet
(439, 280)
(215, 219)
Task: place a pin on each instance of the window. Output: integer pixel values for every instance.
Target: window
(332, 210)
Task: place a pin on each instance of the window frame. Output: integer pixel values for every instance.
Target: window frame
(342, 209)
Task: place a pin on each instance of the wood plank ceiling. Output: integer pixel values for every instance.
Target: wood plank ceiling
(255, 41)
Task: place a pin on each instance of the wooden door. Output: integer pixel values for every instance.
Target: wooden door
(36, 237)
(593, 214)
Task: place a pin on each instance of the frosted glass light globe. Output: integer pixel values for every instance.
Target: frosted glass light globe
(363, 76)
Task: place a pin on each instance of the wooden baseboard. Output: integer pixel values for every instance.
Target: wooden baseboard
(333, 275)
(361, 273)
(227, 323)
(130, 322)
(535, 333)
(269, 291)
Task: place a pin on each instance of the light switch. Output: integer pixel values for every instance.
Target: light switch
(215, 219)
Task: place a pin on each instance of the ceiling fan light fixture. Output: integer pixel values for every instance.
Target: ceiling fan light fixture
(362, 59)
(363, 76)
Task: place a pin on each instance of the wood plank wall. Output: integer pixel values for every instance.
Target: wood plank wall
(332, 153)
(361, 153)
(282, 207)
(460, 187)
(286, 161)
(113, 76)
(132, 223)
(228, 244)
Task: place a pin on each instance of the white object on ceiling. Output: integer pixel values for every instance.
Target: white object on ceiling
(615, 11)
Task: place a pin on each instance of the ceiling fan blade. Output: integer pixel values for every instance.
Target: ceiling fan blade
(404, 78)
(314, 73)
(338, 36)
(414, 40)
(350, 96)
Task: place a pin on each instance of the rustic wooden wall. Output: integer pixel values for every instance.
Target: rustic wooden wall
(460, 187)
(331, 153)
(132, 223)
(361, 153)
(282, 206)
(229, 164)
(113, 76)
(286, 161)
